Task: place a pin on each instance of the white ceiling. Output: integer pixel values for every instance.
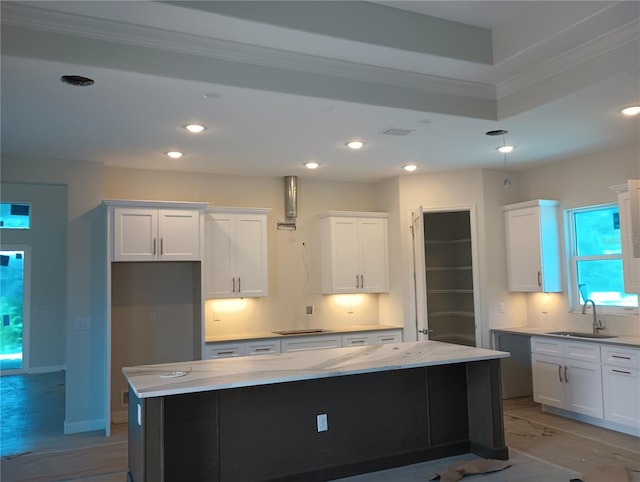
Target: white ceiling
(292, 87)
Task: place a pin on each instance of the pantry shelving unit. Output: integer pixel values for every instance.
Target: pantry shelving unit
(449, 277)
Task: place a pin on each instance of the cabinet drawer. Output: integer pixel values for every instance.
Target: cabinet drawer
(546, 346)
(356, 340)
(622, 357)
(389, 337)
(311, 343)
(582, 351)
(262, 347)
(223, 351)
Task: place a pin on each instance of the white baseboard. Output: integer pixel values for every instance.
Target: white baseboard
(121, 416)
(49, 369)
(628, 429)
(84, 426)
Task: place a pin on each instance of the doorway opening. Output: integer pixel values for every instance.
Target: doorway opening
(15, 271)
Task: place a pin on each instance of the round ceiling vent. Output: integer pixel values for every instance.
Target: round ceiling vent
(499, 132)
(77, 80)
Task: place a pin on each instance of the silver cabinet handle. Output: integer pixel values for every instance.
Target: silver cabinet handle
(161, 246)
(233, 290)
(566, 375)
(621, 371)
(539, 278)
(357, 281)
(262, 349)
(239, 285)
(361, 281)
(391, 338)
(621, 357)
(560, 372)
(154, 246)
(230, 352)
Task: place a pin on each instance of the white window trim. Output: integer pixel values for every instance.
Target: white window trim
(572, 291)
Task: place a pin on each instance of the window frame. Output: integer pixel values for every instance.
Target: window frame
(572, 264)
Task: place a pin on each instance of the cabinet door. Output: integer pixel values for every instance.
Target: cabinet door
(621, 395)
(344, 257)
(251, 255)
(548, 380)
(372, 240)
(583, 387)
(135, 234)
(523, 250)
(219, 256)
(630, 265)
(179, 233)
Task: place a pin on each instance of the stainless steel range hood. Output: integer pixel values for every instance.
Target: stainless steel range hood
(290, 203)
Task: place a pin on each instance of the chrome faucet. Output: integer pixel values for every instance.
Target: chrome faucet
(597, 324)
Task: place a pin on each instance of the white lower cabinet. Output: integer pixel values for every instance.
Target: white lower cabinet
(567, 375)
(621, 383)
(241, 348)
(300, 343)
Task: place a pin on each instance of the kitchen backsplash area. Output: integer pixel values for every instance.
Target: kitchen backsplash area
(258, 315)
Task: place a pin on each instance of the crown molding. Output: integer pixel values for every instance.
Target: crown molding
(27, 17)
(606, 44)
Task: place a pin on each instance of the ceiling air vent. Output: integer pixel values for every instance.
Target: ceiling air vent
(393, 131)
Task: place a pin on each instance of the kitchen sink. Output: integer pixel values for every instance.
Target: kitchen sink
(308, 331)
(580, 334)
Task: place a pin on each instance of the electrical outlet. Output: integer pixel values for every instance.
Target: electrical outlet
(350, 310)
(322, 422)
(216, 317)
(501, 307)
(83, 323)
(309, 310)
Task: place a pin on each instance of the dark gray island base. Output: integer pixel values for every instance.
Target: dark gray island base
(377, 419)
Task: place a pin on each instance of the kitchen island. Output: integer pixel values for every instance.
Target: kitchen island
(316, 415)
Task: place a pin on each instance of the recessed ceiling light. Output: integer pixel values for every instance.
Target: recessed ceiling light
(506, 149)
(311, 165)
(355, 144)
(195, 128)
(631, 110)
(410, 167)
(174, 154)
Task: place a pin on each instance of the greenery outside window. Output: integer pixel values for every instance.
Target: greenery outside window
(15, 215)
(596, 260)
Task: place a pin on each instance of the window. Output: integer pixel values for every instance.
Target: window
(15, 215)
(596, 260)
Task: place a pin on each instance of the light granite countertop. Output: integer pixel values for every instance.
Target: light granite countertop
(206, 375)
(271, 334)
(622, 340)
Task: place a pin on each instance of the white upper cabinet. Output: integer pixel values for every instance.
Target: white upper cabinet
(155, 231)
(354, 252)
(630, 264)
(533, 246)
(236, 253)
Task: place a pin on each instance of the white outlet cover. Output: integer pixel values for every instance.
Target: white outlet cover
(323, 425)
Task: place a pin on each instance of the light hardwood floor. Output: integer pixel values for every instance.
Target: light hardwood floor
(543, 447)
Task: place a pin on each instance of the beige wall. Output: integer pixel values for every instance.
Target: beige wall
(582, 181)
